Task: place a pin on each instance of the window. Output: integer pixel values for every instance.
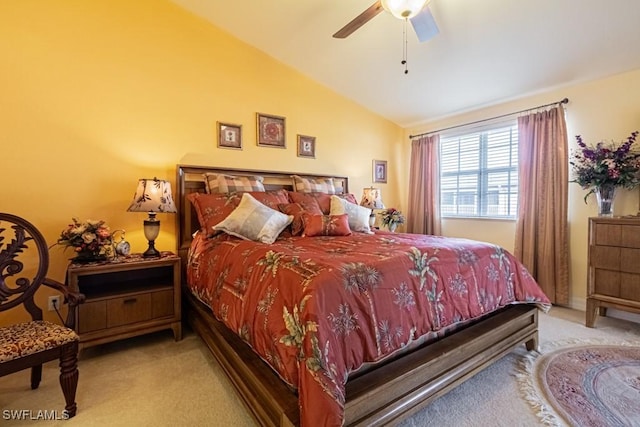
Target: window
(479, 173)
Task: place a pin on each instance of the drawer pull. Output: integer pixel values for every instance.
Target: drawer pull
(130, 300)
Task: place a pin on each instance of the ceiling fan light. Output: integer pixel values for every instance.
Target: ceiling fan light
(404, 9)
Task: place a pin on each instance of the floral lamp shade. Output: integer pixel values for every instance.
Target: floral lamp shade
(372, 198)
(152, 196)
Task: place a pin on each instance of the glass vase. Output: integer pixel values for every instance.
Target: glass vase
(605, 195)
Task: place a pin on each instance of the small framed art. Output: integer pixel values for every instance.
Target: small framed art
(307, 146)
(229, 136)
(380, 171)
(271, 130)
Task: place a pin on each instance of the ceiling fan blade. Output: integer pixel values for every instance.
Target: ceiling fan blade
(359, 20)
(424, 25)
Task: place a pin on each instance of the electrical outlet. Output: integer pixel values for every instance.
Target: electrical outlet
(54, 301)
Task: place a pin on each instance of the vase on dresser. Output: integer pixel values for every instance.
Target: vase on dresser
(605, 195)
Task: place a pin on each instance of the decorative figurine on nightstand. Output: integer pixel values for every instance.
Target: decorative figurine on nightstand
(122, 248)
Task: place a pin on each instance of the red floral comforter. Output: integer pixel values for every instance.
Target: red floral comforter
(317, 308)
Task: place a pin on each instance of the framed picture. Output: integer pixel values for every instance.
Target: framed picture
(380, 171)
(229, 136)
(307, 146)
(271, 130)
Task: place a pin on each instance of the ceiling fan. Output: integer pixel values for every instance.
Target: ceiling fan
(415, 11)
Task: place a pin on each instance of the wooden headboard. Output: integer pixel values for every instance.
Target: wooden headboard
(190, 179)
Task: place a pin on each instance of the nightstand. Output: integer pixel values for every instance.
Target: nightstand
(127, 297)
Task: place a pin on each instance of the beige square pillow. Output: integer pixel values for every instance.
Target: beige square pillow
(358, 215)
(221, 183)
(313, 185)
(252, 220)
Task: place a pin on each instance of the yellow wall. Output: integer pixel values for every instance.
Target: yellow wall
(97, 94)
(606, 109)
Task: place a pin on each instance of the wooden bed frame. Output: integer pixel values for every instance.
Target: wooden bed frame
(383, 395)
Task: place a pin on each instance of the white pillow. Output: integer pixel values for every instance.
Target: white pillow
(252, 220)
(358, 215)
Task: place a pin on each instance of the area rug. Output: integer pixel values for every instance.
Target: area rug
(577, 383)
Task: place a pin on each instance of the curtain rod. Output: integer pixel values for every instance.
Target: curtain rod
(562, 101)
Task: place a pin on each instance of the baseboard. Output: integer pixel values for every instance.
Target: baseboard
(581, 304)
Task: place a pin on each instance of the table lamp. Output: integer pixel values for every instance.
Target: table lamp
(152, 196)
(372, 199)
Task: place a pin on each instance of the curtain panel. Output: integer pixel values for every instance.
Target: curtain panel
(542, 229)
(423, 216)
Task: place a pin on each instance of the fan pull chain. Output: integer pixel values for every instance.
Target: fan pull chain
(404, 47)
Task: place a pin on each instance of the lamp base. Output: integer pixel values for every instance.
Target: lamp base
(151, 251)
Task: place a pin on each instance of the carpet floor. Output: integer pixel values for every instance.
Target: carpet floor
(154, 381)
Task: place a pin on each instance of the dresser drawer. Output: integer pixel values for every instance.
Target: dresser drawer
(128, 309)
(614, 266)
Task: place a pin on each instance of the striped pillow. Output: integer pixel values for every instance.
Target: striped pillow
(313, 185)
(221, 183)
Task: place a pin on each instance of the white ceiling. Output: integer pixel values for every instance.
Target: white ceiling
(488, 51)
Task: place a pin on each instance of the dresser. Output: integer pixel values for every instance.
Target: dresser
(614, 266)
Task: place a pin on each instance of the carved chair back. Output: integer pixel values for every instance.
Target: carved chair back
(16, 236)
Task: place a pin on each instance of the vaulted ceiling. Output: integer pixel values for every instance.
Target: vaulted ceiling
(487, 51)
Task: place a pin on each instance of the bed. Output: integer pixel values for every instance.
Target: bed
(398, 369)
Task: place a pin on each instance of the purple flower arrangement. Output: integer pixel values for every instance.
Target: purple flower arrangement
(606, 164)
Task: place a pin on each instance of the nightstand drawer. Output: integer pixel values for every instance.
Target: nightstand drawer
(92, 316)
(128, 309)
(162, 303)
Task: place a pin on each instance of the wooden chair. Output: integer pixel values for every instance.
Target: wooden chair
(30, 344)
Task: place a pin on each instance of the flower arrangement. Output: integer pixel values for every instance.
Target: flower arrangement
(391, 218)
(606, 164)
(89, 239)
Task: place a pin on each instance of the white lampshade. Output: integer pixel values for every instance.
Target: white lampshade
(404, 9)
(372, 198)
(153, 195)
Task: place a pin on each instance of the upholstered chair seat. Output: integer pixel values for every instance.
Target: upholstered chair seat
(23, 339)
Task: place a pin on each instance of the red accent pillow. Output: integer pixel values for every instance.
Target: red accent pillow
(296, 210)
(326, 225)
(323, 199)
(270, 198)
(213, 208)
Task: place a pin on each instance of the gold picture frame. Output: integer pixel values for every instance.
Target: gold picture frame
(380, 171)
(307, 146)
(229, 136)
(271, 130)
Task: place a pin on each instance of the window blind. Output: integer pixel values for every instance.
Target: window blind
(479, 173)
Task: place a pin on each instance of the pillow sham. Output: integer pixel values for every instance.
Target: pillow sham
(297, 210)
(326, 225)
(252, 220)
(358, 215)
(323, 199)
(221, 183)
(213, 208)
(271, 198)
(311, 185)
